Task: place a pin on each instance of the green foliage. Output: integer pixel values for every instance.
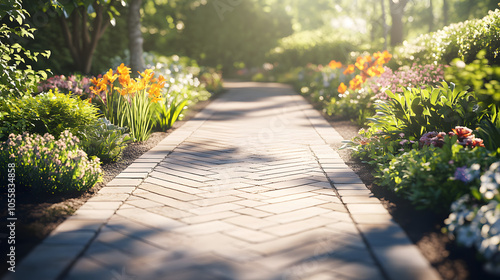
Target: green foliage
(463, 40)
(104, 140)
(416, 111)
(232, 37)
(490, 133)
(425, 176)
(484, 79)
(51, 112)
(17, 77)
(312, 46)
(167, 112)
(358, 104)
(45, 165)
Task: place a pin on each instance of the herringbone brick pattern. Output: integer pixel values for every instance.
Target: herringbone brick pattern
(250, 190)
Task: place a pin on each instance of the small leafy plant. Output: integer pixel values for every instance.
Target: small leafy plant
(46, 165)
(104, 140)
(417, 111)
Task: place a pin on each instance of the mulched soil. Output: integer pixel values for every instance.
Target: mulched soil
(38, 216)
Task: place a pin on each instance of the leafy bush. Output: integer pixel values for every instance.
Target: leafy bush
(475, 218)
(478, 75)
(51, 112)
(417, 111)
(312, 46)
(424, 176)
(104, 140)
(17, 78)
(46, 165)
(463, 40)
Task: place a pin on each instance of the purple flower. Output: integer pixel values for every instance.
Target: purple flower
(465, 174)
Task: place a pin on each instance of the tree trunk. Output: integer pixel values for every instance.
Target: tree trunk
(135, 37)
(80, 42)
(397, 11)
(445, 12)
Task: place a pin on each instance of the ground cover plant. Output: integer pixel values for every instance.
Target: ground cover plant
(44, 164)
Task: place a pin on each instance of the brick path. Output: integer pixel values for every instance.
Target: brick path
(248, 189)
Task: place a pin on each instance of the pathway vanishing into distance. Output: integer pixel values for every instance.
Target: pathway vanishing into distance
(250, 188)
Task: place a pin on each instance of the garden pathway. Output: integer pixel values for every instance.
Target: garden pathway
(250, 188)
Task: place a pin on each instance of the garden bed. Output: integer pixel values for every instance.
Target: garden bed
(37, 216)
(422, 227)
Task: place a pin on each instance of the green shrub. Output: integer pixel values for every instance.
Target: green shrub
(416, 111)
(51, 112)
(463, 40)
(312, 46)
(425, 176)
(104, 140)
(46, 165)
(482, 78)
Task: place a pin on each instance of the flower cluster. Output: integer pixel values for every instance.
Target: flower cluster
(129, 87)
(71, 84)
(475, 221)
(47, 165)
(414, 76)
(369, 66)
(464, 134)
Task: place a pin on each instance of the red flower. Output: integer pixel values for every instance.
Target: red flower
(462, 131)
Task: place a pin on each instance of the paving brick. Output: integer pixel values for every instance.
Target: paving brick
(173, 185)
(298, 226)
(215, 200)
(215, 208)
(166, 191)
(365, 208)
(252, 212)
(151, 219)
(202, 218)
(250, 235)
(298, 215)
(118, 182)
(292, 205)
(104, 205)
(250, 203)
(205, 228)
(250, 222)
(116, 190)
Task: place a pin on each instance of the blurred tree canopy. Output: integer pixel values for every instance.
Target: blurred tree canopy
(232, 33)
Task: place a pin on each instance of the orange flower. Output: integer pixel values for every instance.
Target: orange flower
(94, 80)
(360, 63)
(123, 70)
(110, 77)
(342, 88)
(356, 82)
(124, 80)
(349, 69)
(147, 75)
(375, 70)
(334, 64)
